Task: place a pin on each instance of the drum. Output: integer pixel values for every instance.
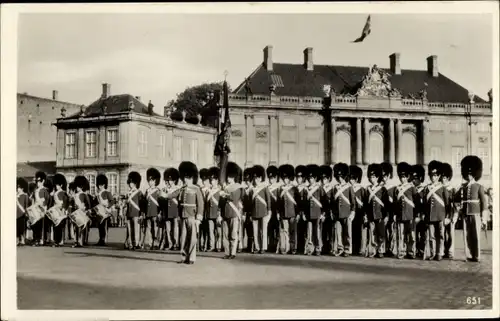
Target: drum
(35, 213)
(56, 215)
(101, 212)
(79, 217)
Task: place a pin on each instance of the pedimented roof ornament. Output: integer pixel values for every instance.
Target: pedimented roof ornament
(376, 83)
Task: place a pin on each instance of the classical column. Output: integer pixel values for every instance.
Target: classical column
(359, 142)
(334, 142)
(249, 140)
(399, 148)
(367, 141)
(273, 140)
(425, 140)
(392, 151)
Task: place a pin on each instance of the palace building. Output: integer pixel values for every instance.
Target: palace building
(307, 113)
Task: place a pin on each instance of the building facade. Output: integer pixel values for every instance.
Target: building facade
(118, 134)
(300, 114)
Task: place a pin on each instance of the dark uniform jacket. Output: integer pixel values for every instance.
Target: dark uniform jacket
(343, 201)
(436, 202)
(315, 201)
(376, 202)
(61, 199)
(451, 196)
(191, 202)
(134, 202)
(274, 193)
(359, 194)
(233, 201)
(261, 201)
(22, 204)
(42, 197)
(151, 201)
(328, 189)
(302, 188)
(288, 201)
(82, 201)
(421, 191)
(391, 205)
(472, 198)
(406, 199)
(170, 202)
(247, 200)
(212, 203)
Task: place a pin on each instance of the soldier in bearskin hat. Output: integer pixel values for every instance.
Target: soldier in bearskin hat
(451, 214)
(22, 205)
(204, 184)
(418, 180)
(152, 209)
(288, 210)
(134, 202)
(246, 227)
(359, 238)
(191, 211)
(82, 202)
(302, 184)
(316, 204)
(327, 227)
(61, 201)
(390, 226)
(261, 209)
(273, 227)
(170, 209)
(474, 210)
(106, 201)
(213, 218)
(41, 197)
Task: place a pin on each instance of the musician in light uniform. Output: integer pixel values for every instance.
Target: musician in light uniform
(204, 184)
(61, 201)
(314, 210)
(231, 195)
(151, 208)
(359, 234)
(391, 225)
(41, 198)
(328, 222)
(405, 201)
(421, 229)
(105, 199)
(302, 184)
(191, 211)
(71, 230)
(273, 226)
(436, 203)
(376, 203)
(82, 202)
(451, 214)
(135, 199)
(213, 218)
(474, 205)
(245, 233)
(22, 205)
(288, 210)
(170, 208)
(261, 209)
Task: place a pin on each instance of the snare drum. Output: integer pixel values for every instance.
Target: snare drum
(79, 218)
(35, 213)
(56, 215)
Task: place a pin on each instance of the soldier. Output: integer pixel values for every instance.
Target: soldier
(328, 224)
(104, 198)
(261, 209)
(191, 211)
(213, 218)
(245, 233)
(390, 228)
(90, 198)
(405, 201)
(134, 200)
(359, 233)
(436, 204)
(343, 204)
(376, 203)
(41, 198)
(273, 226)
(205, 189)
(232, 196)
(170, 208)
(152, 208)
(82, 202)
(48, 234)
(61, 201)
(451, 215)
(288, 210)
(302, 184)
(421, 229)
(71, 208)
(474, 205)
(315, 199)
(22, 205)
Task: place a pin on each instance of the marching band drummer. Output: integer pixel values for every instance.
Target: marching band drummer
(105, 199)
(82, 202)
(152, 209)
(135, 198)
(41, 198)
(170, 209)
(61, 201)
(71, 228)
(22, 205)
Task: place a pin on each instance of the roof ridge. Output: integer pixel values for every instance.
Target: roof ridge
(48, 99)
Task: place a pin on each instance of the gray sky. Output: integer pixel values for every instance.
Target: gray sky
(155, 56)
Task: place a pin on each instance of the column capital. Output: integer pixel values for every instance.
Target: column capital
(271, 116)
(248, 116)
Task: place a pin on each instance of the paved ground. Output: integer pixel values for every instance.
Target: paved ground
(112, 278)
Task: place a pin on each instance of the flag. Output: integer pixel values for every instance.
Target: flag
(222, 144)
(366, 31)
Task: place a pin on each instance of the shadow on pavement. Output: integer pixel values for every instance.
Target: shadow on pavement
(115, 256)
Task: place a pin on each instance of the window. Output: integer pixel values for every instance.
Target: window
(312, 152)
(261, 152)
(91, 179)
(435, 153)
(377, 148)
(409, 148)
(90, 143)
(193, 150)
(457, 153)
(143, 143)
(161, 146)
(112, 138)
(343, 147)
(484, 154)
(70, 145)
(113, 183)
(177, 148)
(287, 154)
(457, 126)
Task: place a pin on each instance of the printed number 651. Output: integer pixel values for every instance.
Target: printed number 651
(473, 300)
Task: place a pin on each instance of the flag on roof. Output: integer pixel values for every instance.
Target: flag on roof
(366, 30)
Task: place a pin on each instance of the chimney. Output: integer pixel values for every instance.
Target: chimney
(432, 65)
(55, 95)
(308, 58)
(394, 62)
(268, 58)
(106, 89)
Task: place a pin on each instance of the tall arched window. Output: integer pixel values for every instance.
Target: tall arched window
(343, 147)
(409, 147)
(376, 147)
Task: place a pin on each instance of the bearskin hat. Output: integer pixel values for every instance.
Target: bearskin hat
(259, 171)
(81, 182)
(40, 175)
(233, 170)
(171, 174)
(60, 180)
(287, 171)
(340, 170)
(204, 174)
(434, 166)
(248, 174)
(153, 174)
(23, 184)
(101, 179)
(214, 172)
(134, 177)
(72, 187)
(418, 171)
(272, 171)
(374, 169)
(387, 169)
(447, 171)
(313, 170)
(326, 171)
(471, 165)
(301, 170)
(356, 173)
(404, 169)
(188, 169)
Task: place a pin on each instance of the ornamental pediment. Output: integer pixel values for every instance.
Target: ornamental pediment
(376, 83)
